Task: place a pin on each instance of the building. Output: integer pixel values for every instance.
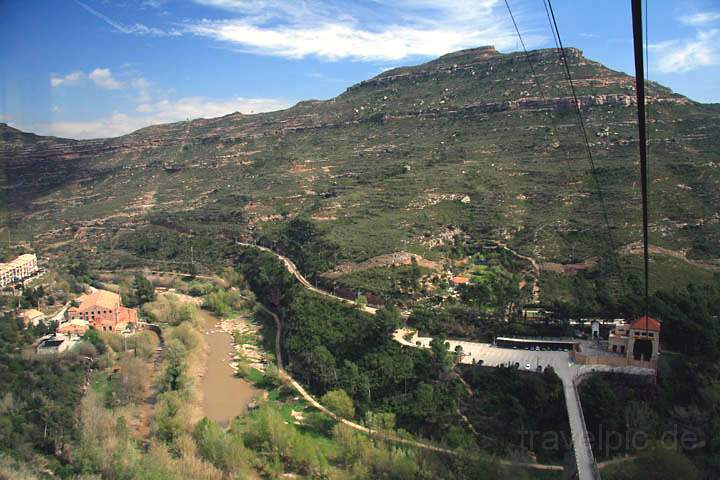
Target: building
(51, 344)
(460, 280)
(32, 317)
(638, 341)
(22, 267)
(103, 310)
(535, 314)
(75, 327)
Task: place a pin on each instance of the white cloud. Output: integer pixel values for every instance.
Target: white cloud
(677, 56)
(701, 18)
(166, 111)
(337, 41)
(143, 88)
(331, 31)
(103, 78)
(73, 78)
(137, 29)
(153, 3)
(147, 114)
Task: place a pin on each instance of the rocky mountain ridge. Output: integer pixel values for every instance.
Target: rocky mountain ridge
(473, 124)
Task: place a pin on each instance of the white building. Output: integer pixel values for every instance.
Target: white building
(55, 343)
(20, 268)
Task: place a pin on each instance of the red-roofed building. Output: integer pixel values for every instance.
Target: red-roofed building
(646, 323)
(639, 341)
(103, 310)
(460, 280)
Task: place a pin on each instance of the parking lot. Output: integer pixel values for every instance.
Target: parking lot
(493, 356)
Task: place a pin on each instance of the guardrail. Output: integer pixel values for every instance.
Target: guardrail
(576, 381)
(539, 339)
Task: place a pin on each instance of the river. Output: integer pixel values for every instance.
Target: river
(225, 396)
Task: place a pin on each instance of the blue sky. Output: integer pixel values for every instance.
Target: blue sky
(100, 68)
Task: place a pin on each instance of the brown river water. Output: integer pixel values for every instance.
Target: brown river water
(225, 396)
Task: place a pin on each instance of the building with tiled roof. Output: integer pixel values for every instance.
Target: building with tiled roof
(74, 327)
(32, 316)
(639, 341)
(460, 280)
(646, 323)
(103, 310)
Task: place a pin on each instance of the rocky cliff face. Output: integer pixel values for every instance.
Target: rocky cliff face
(472, 124)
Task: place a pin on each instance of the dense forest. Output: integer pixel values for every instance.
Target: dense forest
(38, 396)
(333, 346)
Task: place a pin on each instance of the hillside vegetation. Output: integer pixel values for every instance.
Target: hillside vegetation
(470, 141)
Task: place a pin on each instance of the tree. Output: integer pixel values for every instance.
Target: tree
(659, 463)
(271, 375)
(175, 355)
(234, 278)
(169, 415)
(143, 290)
(93, 336)
(361, 301)
(380, 420)
(339, 402)
(441, 354)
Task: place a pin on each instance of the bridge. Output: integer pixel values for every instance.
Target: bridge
(570, 373)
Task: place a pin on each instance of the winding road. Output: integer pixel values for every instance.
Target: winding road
(568, 372)
(571, 375)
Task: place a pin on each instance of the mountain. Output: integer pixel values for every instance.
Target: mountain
(467, 143)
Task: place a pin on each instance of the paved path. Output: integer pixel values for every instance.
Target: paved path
(361, 428)
(569, 372)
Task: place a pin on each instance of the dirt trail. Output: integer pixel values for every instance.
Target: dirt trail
(535, 270)
(152, 389)
(361, 428)
(636, 248)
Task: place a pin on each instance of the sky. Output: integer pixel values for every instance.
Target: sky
(103, 68)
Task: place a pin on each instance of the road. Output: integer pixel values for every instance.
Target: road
(59, 316)
(569, 372)
(491, 356)
(290, 266)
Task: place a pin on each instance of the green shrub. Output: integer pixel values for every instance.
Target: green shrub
(339, 402)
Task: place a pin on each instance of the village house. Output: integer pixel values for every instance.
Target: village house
(20, 268)
(76, 327)
(102, 310)
(460, 280)
(53, 344)
(32, 317)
